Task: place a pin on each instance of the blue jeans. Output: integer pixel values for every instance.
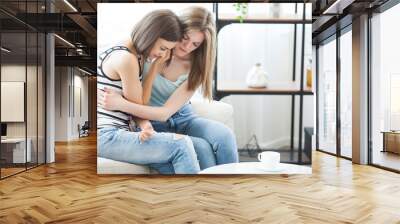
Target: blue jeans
(156, 152)
(213, 142)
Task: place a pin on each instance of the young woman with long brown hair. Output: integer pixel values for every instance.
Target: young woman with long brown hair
(120, 69)
(191, 67)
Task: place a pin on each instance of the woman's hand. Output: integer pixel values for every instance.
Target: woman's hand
(145, 124)
(109, 99)
(147, 130)
(145, 134)
(160, 61)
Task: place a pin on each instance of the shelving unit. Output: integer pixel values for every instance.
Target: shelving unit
(274, 88)
(226, 19)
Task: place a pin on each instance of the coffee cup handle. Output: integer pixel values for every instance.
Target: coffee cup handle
(259, 157)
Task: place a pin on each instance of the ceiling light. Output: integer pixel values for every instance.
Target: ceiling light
(80, 51)
(337, 7)
(65, 41)
(70, 5)
(84, 71)
(5, 50)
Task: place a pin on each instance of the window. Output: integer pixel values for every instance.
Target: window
(346, 94)
(385, 84)
(395, 102)
(23, 76)
(327, 97)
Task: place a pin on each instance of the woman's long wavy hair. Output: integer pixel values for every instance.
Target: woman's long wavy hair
(203, 58)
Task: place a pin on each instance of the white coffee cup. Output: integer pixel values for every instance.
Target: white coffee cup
(270, 160)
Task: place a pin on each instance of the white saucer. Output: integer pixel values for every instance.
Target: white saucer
(278, 168)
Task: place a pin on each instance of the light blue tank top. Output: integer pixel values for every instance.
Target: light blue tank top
(162, 88)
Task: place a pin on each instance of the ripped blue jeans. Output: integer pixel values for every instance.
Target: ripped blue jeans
(162, 148)
(213, 142)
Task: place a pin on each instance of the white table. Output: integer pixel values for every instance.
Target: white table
(256, 168)
(19, 149)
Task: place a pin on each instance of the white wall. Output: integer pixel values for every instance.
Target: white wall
(33, 125)
(61, 103)
(116, 21)
(79, 117)
(16, 73)
(67, 115)
(240, 46)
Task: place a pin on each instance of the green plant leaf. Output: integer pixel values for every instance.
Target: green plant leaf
(242, 9)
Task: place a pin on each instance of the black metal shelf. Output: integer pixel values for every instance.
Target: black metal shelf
(267, 21)
(224, 22)
(273, 88)
(240, 89)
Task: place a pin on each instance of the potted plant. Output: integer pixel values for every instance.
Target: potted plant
(242, 10)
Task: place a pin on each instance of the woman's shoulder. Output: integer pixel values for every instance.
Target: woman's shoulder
(124, 48)
(124, 52)
(126, 55)
(124, 60)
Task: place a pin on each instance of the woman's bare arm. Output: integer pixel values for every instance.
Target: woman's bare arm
(154, 69)
(114, 101)
(127, 67)
(181, 96)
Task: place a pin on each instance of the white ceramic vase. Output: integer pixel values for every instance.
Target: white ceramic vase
(275, 10)
(257, 77)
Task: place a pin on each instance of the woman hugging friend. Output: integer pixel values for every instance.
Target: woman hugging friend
(152, 77)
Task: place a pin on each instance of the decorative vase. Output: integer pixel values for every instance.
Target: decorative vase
(257, 77)
(275, 10)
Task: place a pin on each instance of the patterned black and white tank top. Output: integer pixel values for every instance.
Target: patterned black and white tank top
(107, 118)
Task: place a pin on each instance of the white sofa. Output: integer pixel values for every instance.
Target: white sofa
(214, 110)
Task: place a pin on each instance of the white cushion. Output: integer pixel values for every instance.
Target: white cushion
(214, 110)
(108, 166)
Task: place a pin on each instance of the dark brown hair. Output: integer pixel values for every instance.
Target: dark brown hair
(157, 24)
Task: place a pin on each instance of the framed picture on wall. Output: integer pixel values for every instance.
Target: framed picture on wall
(12, 101)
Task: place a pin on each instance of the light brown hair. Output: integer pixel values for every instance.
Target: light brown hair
(202, 58)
